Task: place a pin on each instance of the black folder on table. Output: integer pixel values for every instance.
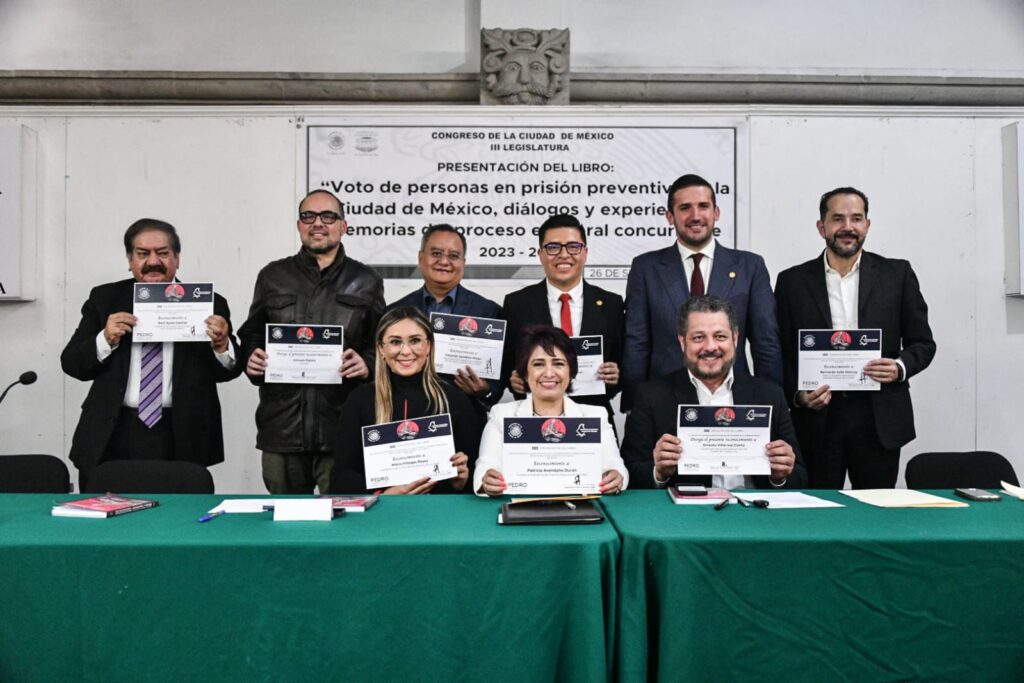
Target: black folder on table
(556, 511)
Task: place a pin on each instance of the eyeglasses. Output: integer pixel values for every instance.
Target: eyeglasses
(437, 255)
(571, 248)
(395, 344)
(326, 217)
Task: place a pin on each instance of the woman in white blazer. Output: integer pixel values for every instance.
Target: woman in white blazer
(547, 362)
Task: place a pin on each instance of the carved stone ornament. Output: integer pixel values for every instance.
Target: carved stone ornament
(524, 66)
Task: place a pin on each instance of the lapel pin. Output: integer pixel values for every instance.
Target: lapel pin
(599, 302)
(732, 275)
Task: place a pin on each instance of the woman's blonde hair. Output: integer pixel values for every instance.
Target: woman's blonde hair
(437, 402)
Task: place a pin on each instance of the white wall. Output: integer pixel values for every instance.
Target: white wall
(228, 178)
(821, 37)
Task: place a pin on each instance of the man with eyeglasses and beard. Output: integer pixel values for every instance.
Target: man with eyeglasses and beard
(320, 285)
(442, 262)
(563, 299)
(859, 433)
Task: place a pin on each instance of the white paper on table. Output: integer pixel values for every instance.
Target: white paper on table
(902, 498)
(304, 510)
(785, 500)
(236, 506)
(1011, 490)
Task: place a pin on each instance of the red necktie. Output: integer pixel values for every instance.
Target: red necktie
(697, 280)
(566, 316)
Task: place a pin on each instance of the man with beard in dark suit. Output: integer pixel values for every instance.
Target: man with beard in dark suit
(152, 400)
(708, 334)
(855, 432)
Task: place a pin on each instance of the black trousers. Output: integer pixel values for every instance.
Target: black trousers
(133, 440)
(851, 446)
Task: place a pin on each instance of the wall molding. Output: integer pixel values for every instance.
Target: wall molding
(267, 88)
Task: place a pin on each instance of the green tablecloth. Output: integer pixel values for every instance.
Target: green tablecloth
(416, 588)
(855, 593)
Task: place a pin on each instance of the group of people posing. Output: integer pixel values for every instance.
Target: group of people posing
(679, 338)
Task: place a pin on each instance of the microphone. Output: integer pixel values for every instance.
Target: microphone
(26, 378)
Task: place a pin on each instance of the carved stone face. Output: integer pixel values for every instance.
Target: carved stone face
(524, 77)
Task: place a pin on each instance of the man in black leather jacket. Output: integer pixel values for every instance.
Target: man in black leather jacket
(318, 286)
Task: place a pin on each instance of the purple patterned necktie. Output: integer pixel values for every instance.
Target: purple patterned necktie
(151, 386)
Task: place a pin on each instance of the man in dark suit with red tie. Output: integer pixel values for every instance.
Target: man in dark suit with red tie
(565, 300)
(661, 281)
(845, 287)
(152, 400)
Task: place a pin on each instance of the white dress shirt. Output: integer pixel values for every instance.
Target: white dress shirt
(131, 391)
(686, 254)
(575, 306)
(844, 300)
(722, 396)
(843, 293)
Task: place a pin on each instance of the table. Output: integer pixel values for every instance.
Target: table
(855, 593)
(419, 587)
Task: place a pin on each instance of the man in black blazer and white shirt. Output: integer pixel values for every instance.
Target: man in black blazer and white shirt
(147, 401)
(563, 299)
(708, 333)
(855, 432)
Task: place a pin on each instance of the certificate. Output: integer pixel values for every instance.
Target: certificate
(304, 354)
(397, 453)
(837, 358)
(589, 356)
(724, 439)
(551, 455)
(172, 311)
(461, 340)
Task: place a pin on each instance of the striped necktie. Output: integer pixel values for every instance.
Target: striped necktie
(151, 384)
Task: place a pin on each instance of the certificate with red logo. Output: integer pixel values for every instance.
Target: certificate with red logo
(724, 439)
(551, 455)
(304, 354)
(397, 453)
(172, 311)
(837, 358)
(461, 340)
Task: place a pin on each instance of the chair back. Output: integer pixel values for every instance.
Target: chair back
(33, 473)
(149, 476)
(962, 469)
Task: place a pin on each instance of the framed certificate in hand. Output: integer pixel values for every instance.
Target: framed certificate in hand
(172, 311)
(551, 455)
(304, 354)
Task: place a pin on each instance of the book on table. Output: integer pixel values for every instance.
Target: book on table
(559, 510)
(354, 503)
(101, 506)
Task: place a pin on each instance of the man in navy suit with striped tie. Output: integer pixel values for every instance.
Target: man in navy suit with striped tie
(148, 400)
(661, 281)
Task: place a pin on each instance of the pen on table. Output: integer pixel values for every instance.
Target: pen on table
(569, 504)
(210, 515)
(722, 504)
(744, 503)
